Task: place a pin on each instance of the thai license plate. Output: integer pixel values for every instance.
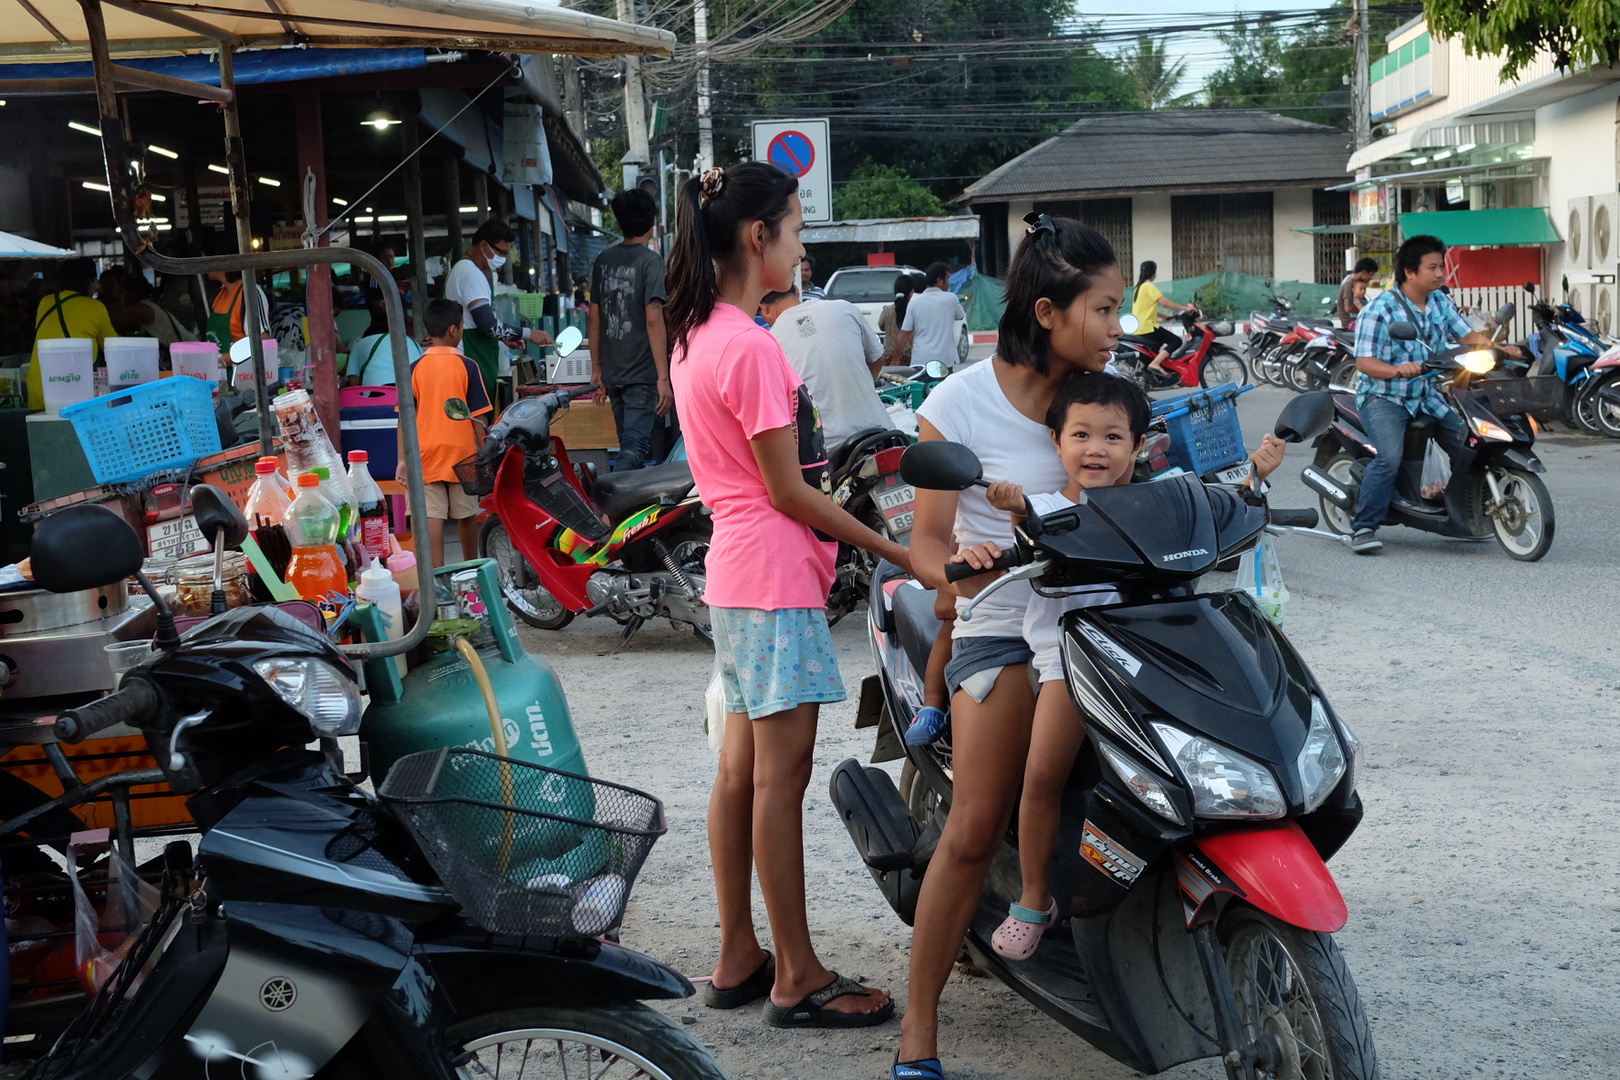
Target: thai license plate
(896, 499)
(1236, 474)
(175, 539)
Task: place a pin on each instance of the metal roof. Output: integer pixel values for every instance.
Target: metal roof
(47, 30)
(1182, 150)
(892, 230)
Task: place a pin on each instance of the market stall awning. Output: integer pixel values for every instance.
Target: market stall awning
(52, 30)
(13, 246)
(1484, 228)
(265, 66)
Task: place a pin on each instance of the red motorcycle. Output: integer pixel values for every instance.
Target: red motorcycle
(1200, 360)
(631, 546)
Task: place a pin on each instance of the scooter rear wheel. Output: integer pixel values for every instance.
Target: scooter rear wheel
(1293, 986)
(1222, 365)
(520, 589)
(612, 1043)
(1606, 414)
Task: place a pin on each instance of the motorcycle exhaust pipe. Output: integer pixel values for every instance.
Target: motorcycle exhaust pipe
(1329, 488)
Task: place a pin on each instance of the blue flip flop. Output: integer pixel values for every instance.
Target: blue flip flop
(921, 1069)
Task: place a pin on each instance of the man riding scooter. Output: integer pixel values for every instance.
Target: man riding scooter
(1390, 391)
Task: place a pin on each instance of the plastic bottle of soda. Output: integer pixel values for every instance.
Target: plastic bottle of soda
(348, 511)
(374, 524)
(266, 503)
(312, 529)
(287, 487)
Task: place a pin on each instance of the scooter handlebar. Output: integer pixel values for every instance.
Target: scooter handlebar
(957, 571)
(134, 700)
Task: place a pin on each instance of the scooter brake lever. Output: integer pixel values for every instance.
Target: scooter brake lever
(177, 760)
(1023, 573)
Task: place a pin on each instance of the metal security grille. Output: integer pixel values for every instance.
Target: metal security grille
(1111, 217)
(1221, 232)
(1331, 208)
(1195, 235)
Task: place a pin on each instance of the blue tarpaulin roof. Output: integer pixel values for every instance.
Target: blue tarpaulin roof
(252, 66)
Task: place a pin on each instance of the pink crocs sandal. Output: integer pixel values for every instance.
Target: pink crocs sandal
(1019, 935)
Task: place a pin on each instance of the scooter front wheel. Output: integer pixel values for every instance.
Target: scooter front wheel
(612, 1042)
(1523, 518)
(1295, 993)
(526, 597)
(1222, 365)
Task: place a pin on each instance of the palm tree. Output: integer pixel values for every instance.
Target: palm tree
(1149, 67)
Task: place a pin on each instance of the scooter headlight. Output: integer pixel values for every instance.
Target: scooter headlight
(1225, 784)
(1322, 760)
(1479, 362)
(1489, 429)
(327, 697)
(1140, 781)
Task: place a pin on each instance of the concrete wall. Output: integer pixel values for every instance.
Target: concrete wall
(1150, 234)
(1293, 254)
(1577, 137)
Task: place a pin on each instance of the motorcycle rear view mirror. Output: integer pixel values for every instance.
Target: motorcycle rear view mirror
(1403, 331)
(941, 466)
(1129, 323)
(569, 340)
(935, 370)
(216, 513)
(1306, 417)
(456, 409)
(84, 547)
(1505, 313)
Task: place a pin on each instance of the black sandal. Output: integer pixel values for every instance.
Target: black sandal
(812, 1013)
(749, 990)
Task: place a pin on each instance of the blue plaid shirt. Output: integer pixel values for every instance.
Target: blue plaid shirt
(1438, 322)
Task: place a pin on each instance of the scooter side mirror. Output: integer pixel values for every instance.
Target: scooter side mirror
(569, 340)
(1129, 323)
(1306, 417)
(1505, 313)
(1530, 287)
(84, 547)
(456, 409)
(935, 370)
(1403, 331)
(215, 512)
(941, 466)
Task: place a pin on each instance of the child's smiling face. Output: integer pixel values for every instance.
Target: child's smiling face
(1096, 445)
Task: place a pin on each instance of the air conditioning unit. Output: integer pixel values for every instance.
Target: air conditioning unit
(1602, 234)
(1601, 316)
(1577, 234)
(1579, 297)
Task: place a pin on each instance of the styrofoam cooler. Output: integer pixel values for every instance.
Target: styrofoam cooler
(196, 360)
(368, 420)
(66, 369)
(131, 361)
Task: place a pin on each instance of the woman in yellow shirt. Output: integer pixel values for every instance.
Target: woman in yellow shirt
(1145, 306)
(70, 312)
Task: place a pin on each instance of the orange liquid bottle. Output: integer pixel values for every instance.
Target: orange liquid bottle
(312, 526)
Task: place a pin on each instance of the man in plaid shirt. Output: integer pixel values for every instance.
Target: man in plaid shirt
(1390, 392)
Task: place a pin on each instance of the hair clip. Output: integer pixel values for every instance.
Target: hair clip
(714, 180)
(1039, 223)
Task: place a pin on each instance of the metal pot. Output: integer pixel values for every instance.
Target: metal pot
(35, 611)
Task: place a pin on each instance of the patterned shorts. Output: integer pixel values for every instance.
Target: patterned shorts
(773, 661)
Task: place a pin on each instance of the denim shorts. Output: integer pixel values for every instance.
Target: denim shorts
(773, 661)
(976, 663)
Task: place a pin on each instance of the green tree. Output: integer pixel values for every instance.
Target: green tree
(883, 191)
(1154, 76)
(1578, 33)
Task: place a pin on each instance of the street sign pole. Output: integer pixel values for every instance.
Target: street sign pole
(801, 149)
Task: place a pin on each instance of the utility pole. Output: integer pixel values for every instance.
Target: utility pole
(700, 27)
(637, 157)
(1361, 90)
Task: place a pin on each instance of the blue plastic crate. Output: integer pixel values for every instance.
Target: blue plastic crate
(1205, 434)
(134, 433)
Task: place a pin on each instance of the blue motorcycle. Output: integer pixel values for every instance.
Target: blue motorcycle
(1566, 346)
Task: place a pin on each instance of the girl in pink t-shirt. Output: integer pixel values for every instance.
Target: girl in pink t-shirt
(753, 440)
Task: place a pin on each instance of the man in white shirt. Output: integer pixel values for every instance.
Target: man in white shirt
(468, 285)
(836, 352)
(931, 318)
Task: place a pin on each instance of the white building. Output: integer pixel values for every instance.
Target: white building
(1540, 151)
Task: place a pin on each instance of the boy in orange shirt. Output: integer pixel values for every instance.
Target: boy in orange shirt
(442, 373)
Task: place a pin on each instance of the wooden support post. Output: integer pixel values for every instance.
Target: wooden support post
(481, 195)
(452, 205)
(322, 343)
(413, 213)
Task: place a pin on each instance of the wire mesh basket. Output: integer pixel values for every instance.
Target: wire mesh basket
(477, 476)
(524, 848)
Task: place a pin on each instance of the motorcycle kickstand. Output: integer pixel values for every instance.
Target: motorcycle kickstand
(631, 625)
(1242, 1058)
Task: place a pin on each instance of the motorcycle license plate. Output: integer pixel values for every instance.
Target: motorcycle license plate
(896, 499)
(1236, 475)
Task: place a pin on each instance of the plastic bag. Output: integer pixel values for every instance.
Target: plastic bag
(1260, 575)
(1436, 472)
(714, 719)
(104, 937)
(903, 418)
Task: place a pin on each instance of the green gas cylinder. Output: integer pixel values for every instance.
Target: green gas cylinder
(439, 704)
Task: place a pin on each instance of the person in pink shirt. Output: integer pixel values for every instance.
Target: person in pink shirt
(754, 442)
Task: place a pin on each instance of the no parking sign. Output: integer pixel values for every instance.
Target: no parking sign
(800, 149)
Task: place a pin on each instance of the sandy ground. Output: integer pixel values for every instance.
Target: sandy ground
(1484, 925)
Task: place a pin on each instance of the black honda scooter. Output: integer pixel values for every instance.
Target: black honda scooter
(315, 933)
(1494, 489)
(1214, 783)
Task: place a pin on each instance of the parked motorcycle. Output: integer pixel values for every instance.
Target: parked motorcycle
(1495, 487)
(632, 549)
(1564, 346)
(1329, 360)
(314, 933)
(1601, 395)
(866, 483)
(1214, 783)
(1201, 360)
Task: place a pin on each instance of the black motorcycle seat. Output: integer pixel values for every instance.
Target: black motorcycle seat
(915, 623)
(621, 494)
(1346, 403)
(1138, 339)
(838, 456)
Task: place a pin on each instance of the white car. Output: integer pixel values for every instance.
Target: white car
(871, 289)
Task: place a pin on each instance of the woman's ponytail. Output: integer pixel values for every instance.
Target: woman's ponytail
(710, 213)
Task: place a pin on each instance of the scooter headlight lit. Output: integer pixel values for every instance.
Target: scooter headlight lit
(1140, 781)
(327, 697)
(1225, 784)
(1487, 429)
(1321, 761)
(1479, 362)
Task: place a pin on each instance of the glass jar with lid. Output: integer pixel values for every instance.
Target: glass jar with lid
(194, 581)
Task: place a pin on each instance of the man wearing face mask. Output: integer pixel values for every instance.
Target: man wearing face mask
(469, 286)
